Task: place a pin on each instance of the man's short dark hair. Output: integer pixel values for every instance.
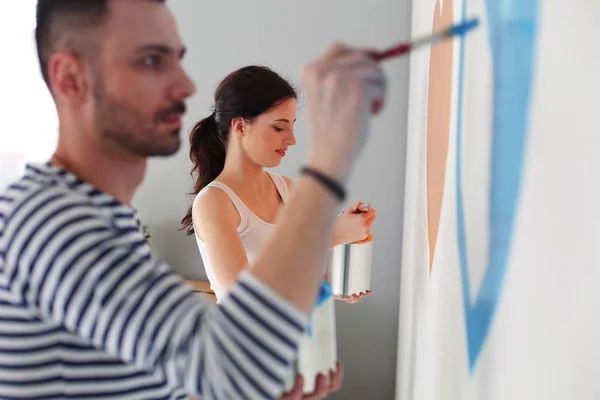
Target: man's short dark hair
(60, 25)
(59, 22)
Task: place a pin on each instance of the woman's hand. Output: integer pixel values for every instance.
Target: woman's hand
(353, 224)
(321, 387)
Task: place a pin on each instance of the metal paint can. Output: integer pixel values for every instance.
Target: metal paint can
(350, 266)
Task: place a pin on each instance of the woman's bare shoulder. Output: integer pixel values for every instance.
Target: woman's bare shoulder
(213, 204)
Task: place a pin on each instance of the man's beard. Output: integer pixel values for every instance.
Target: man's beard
(125, 127)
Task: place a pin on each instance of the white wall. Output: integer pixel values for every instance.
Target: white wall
(29, 122)
(542, 342)
(284, 35)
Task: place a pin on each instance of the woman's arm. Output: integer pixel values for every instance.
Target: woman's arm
(216, 220)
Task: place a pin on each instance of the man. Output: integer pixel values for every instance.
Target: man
(85, 310)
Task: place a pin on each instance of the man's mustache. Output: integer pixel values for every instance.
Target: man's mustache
(177, 108)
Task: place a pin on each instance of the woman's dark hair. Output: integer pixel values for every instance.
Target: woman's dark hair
(247, 93)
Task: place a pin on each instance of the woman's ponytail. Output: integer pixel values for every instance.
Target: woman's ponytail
(207, 152)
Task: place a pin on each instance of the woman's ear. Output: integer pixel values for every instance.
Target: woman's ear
(238, 126)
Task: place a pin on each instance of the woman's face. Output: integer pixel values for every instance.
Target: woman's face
(268, 137)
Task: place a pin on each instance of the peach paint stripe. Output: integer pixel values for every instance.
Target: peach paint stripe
(438, 121)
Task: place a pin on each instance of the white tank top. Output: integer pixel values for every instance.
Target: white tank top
(252, 230)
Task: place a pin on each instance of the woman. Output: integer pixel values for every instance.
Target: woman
(237, 201)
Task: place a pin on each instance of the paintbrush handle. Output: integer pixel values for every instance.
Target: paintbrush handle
(394, 51)
(403, 48)
(406, 47)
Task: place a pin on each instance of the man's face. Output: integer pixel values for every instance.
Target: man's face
(140, 85)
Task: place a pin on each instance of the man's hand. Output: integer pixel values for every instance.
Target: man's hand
(322, 390)
(343, 88)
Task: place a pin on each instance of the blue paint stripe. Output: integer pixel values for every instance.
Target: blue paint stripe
(512, 28)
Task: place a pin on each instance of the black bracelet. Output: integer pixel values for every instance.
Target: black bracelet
(331, 184)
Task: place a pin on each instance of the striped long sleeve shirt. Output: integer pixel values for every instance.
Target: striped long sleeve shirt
(86, 311)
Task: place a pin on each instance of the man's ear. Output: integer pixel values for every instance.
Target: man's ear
(68, 75)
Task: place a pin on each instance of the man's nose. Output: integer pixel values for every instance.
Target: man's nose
(184, 88)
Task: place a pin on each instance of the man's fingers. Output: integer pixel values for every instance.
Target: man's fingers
(376, 85)
(322, 65)
(365, 82)
(334, 51)
(352, 59)
(341, 66)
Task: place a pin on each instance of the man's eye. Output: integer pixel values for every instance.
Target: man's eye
(151, 61)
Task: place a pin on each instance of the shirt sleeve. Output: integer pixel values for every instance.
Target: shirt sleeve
(71, 266)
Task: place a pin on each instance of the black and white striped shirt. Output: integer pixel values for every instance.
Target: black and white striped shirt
(87, 312)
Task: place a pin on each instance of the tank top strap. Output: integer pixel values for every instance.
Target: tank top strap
(280, 184)
(239, 205)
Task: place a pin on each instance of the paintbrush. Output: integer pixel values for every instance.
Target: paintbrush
(403, 48)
